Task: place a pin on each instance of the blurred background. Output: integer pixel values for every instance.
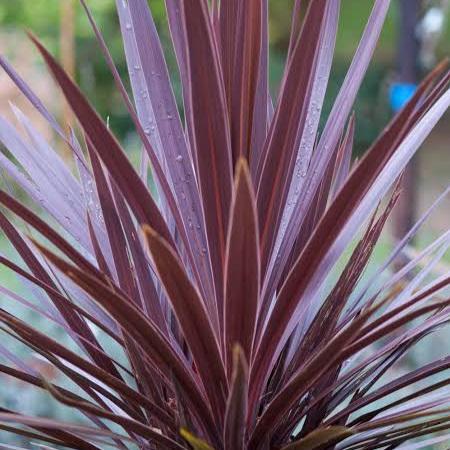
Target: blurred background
(416, 36)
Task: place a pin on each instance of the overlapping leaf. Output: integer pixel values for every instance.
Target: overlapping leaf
(224, 338)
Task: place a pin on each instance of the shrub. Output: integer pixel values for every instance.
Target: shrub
(219, 289)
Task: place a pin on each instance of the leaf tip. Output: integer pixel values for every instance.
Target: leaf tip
(239, 359)
(241, 167)
(195, 442)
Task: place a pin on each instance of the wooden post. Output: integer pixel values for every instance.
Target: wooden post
(67, 49)
(408, 72)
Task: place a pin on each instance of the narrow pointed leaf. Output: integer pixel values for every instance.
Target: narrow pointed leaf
(140, 328)
(241, 268)
(261, 120)
(195, 442)
(236, 414)
(283, 139)
(209, 121)
(333, 129)
(194, 321)
(108, 149)
(245, 77)
(344, 218)
(320, 437)
(158, 112)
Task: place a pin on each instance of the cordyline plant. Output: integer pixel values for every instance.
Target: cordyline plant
(219, 289)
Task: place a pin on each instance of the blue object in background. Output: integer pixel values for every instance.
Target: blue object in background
(400, 93)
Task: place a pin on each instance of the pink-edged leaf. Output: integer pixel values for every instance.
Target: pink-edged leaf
(332, 235)
(35, 193)
(429, 443)
(332, 131)
(91, 201)
(152, 145)
(404, 274)
(324, 325)
(344, 157)
(154, 92)
(71, 399)
(150, 81)
(98, 252)
(31, 96)
(43, 423)
(157, 82)
(242, 271)
(326, 320)
(236, 413)
(245, 77)
(333, 353)
(50, 436)
(261, 116)
(130, 425)
(50, 159)
(103, 323)
(57, 321)
(127, 281)
(114, 230)
(391, 319)
(283, 140)
(36, 437)
(75, 256)
(73, 319)
(303, 380)
(397, 251)
(347, 94)
(295, 25)
(178, 34)
(392, 388)
(108, 149)
(320, 437)
(318, 206)
(209, 121)
(150, 339)
(72, 365)
(32, 219)
(228, 23)
(315, 103)
(47, 177)
(352, 379)
(193, 319)
(151, 303)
